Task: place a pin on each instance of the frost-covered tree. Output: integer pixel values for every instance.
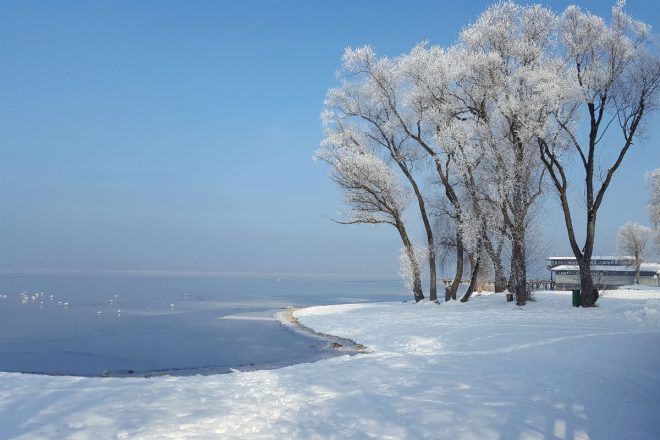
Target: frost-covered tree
(654, 202)
(633, 239)
(444, 230)
(495, 113)
(614, 73)
(434, 106)
(481, 101)
(510, 48)
(373, 192)
(482, 229)
(369, 98)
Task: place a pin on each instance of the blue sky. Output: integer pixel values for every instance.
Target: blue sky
(178, 135)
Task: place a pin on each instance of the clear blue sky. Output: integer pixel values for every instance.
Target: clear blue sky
(178, 135)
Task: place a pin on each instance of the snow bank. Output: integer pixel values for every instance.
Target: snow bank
(639, 292)
(648, 316)
(482, 370)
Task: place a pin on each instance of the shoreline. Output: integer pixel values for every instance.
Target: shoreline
(288, 320)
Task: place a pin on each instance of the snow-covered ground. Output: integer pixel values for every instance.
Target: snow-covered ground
(482, 370)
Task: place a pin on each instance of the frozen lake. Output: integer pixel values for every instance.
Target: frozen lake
(144, 325)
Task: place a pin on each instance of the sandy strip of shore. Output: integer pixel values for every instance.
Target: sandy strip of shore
(288, 319)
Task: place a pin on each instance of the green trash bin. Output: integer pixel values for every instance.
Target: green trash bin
(576, 298)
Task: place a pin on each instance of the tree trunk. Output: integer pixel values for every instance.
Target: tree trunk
(587, 298)
(513, 274)
(473, 278)
(433, 293)
(500, 280)
(459, 267)
(518, 279)
(500, 275)
(433, 288)
(417, 279)
(517, 285)
(418, 293)
(521, 282)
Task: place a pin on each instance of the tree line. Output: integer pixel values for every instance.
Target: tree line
(472, 135)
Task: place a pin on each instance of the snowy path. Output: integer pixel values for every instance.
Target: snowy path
(482, 370)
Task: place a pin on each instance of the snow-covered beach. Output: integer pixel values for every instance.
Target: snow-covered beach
(481, 370)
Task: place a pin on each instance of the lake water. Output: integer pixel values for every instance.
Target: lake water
(148, 325)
